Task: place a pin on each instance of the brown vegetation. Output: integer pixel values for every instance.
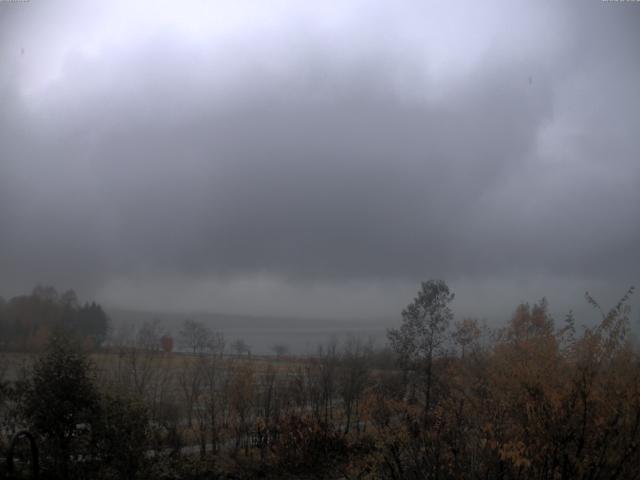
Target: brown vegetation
(530, 400)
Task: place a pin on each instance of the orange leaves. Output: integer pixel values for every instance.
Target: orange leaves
(514, 452)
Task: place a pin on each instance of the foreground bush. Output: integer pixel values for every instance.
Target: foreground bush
(82, 433)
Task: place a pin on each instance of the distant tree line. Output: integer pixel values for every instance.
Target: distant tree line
(27, 321)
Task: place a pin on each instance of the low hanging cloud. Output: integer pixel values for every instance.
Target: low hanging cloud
(337, 149)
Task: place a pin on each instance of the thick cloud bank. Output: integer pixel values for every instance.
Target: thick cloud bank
(296, 151)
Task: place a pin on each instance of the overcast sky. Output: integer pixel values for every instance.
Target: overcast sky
(320, 158)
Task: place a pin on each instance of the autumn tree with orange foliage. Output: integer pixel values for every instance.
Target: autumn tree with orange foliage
(540, 402)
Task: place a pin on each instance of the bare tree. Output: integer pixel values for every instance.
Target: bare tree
(327, 377)
(195, 336)
(241, 396)
(201, 381)
(353, 378)
(190, 379)
(216, 344)
(213, 401)
(268, 407)
(142, 371)
(148, 336)
(240, 347)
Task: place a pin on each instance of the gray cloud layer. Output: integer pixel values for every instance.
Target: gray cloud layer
(360, 143)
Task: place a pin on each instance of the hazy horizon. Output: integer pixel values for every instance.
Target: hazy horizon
(319, 160)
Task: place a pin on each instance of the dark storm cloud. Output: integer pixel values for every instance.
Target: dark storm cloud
(284, 155)
(354, 184)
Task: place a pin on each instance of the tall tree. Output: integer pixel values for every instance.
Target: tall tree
(421, 335)
(60, 400)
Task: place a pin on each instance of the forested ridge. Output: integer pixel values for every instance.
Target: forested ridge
(27, 321)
